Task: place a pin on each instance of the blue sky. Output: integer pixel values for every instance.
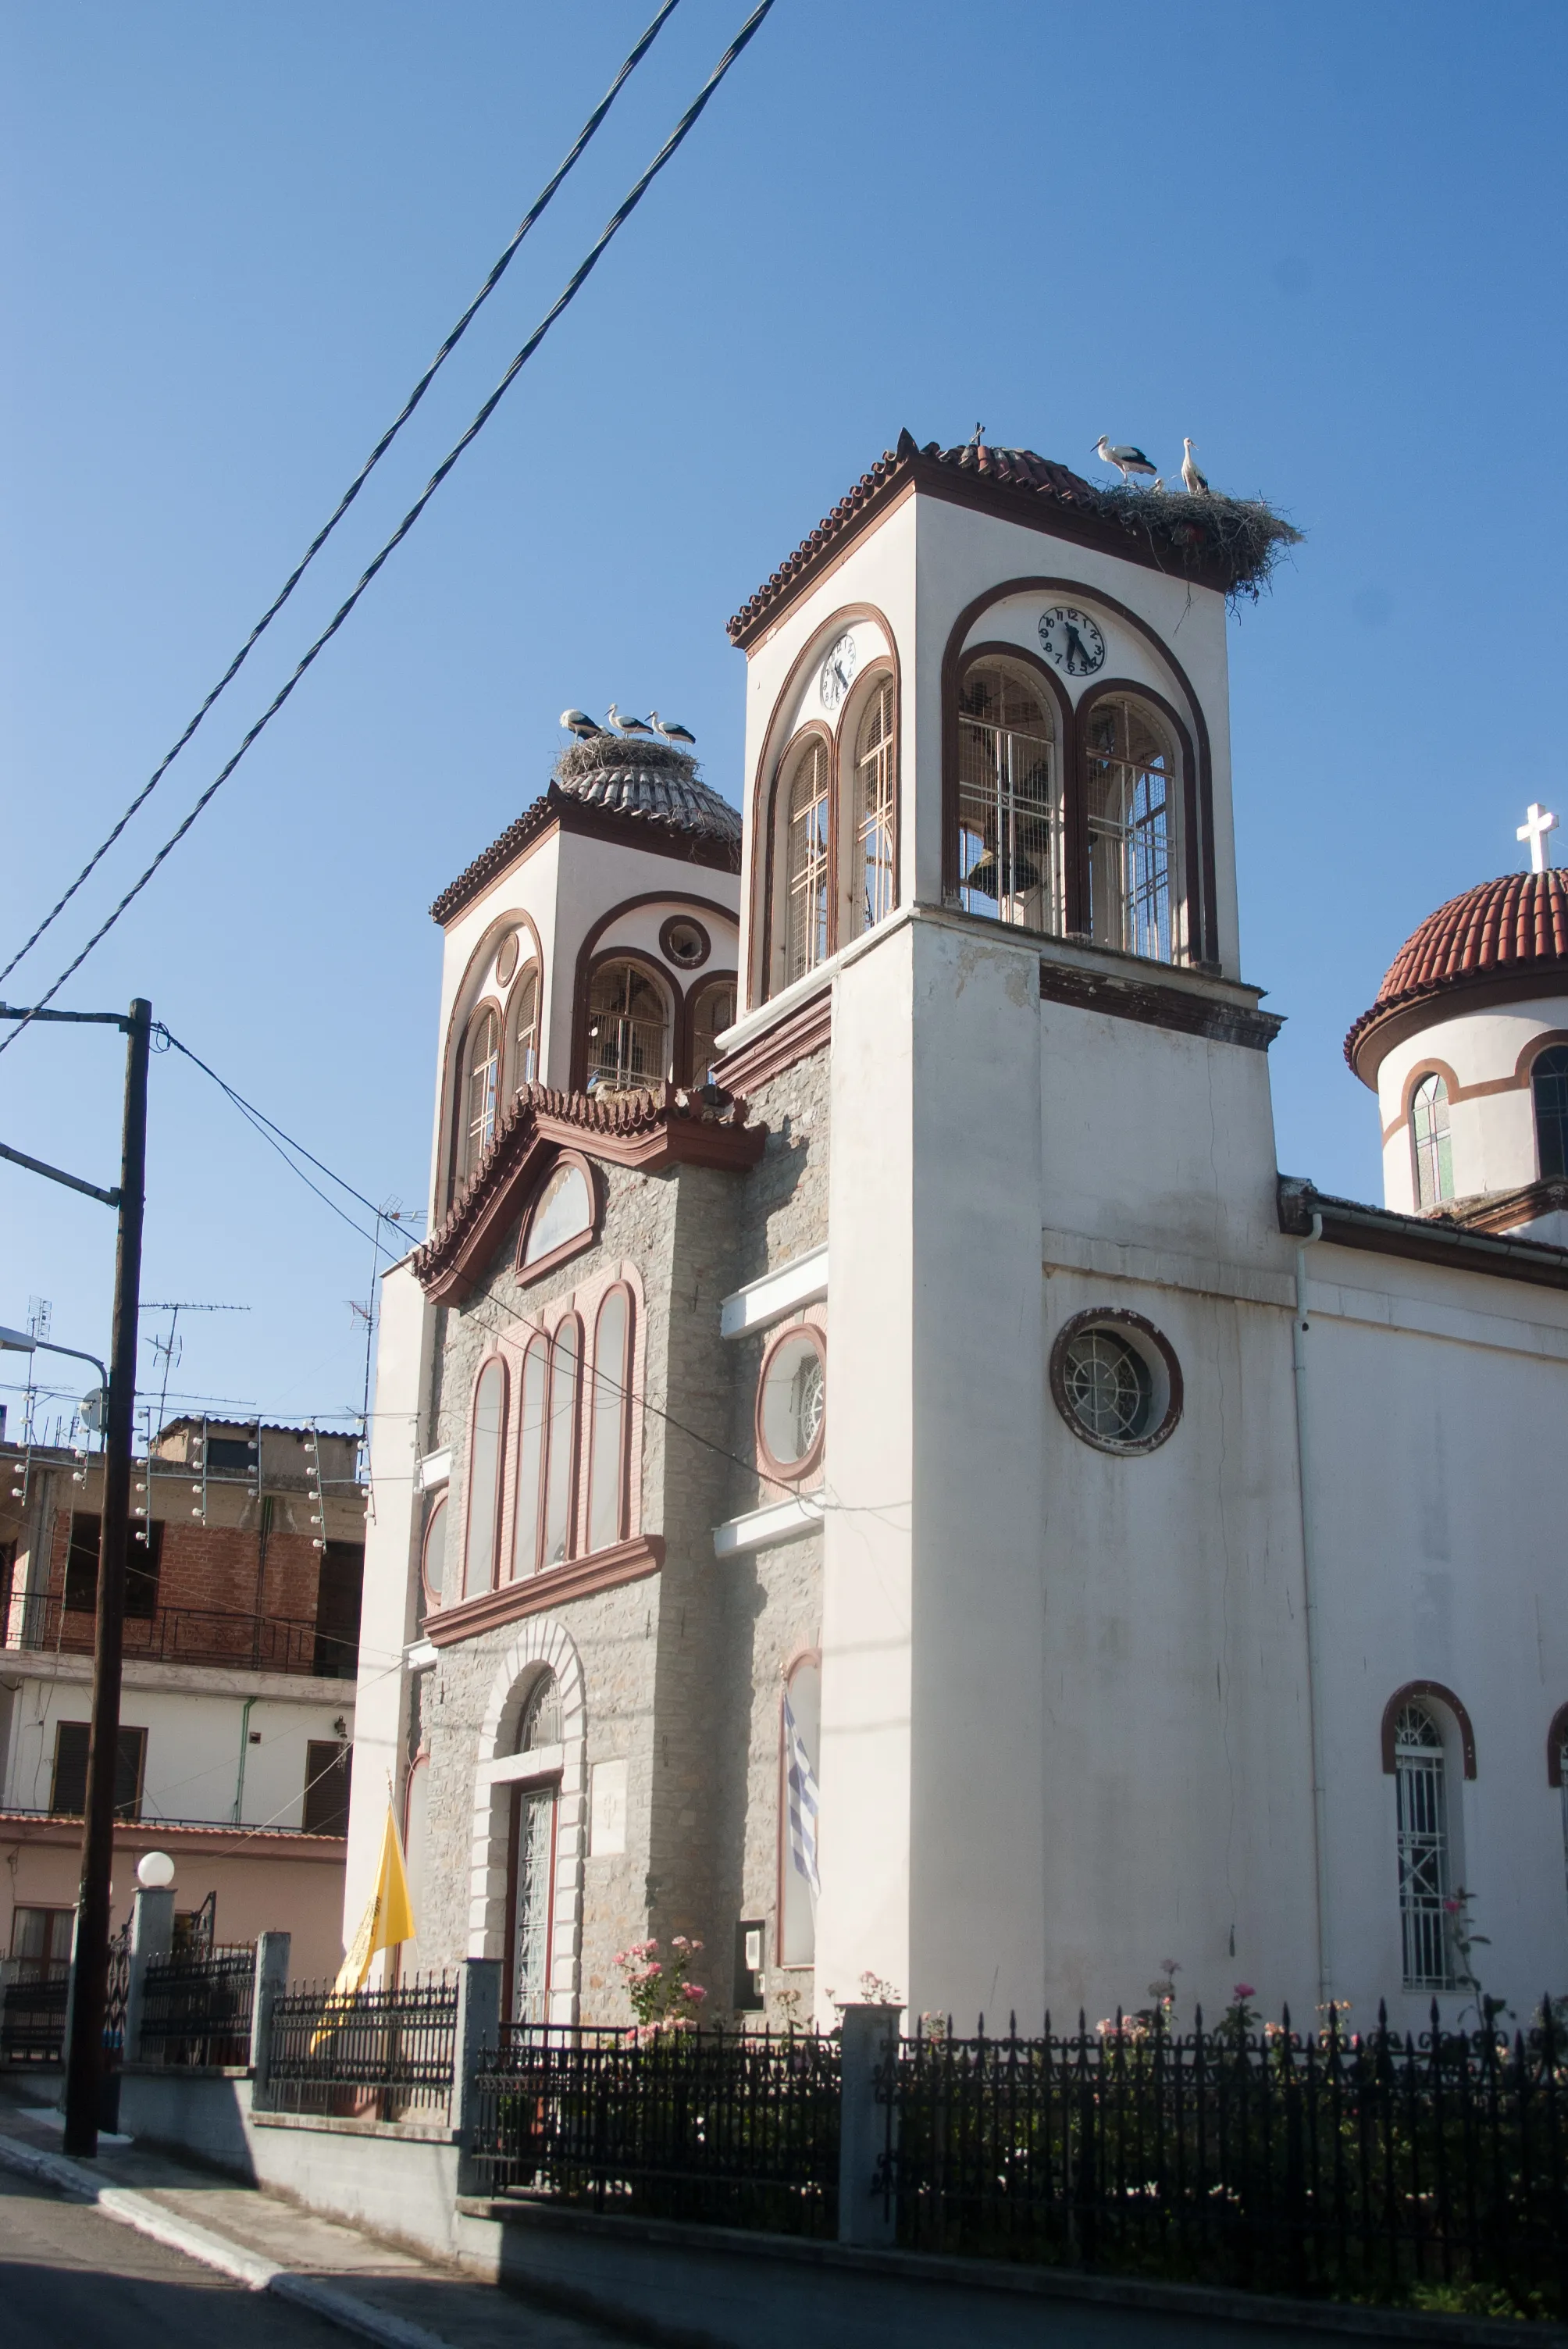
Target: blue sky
(1327, 242)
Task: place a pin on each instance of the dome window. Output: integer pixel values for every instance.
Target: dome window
(1548, 1091)
(1430, 1143)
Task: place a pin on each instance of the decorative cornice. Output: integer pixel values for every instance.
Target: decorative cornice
(1504, 1211)
(648, 1130)
(1349, 1224)
(1157, 1004)
(657, 835)
(795, 1037)
(580, 1577)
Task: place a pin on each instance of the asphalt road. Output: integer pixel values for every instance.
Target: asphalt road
(72, 2278)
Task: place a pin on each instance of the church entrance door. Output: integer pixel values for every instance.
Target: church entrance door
(533, 1874)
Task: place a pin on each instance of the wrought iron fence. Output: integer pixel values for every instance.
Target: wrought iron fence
(33, 2011)
(378, 2054)
(739, 2129)
(1379, 2168)
(193, 1635)
(197, 2009)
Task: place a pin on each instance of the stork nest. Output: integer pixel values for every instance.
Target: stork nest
(1244, 536)
(648, 754)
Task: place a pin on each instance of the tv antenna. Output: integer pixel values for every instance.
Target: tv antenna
(172, 1347)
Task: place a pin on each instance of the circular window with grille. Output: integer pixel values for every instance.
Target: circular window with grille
(1116, 1381)
(792, 1397)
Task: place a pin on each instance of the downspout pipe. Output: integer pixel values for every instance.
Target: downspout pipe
(1313, 1624)
(244, 1749)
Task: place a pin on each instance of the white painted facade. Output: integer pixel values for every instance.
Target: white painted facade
(1086, 1708)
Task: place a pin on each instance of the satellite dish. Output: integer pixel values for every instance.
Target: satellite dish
(93, 1411)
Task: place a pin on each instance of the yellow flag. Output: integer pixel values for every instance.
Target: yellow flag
(388, 1919)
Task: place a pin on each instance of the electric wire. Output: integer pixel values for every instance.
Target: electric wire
(569, 293)
(347, 500)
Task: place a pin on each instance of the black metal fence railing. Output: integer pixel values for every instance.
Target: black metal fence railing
(1379, 2168)
(191, 1635)
(380, 2055)
(738, 2130)
(32, 2014)
(197, 2009)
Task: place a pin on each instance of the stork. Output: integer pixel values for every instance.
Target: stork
(1194, 479)
(628, 725)
(1158, 483)
(668, 730)
(578, 722)
(1126, 459)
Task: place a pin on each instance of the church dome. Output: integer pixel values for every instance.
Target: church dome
(1504, 939)
(641, 776)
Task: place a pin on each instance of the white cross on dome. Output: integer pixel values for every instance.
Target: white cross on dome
(1536, 825)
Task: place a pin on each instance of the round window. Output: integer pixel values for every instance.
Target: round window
(506, 961)
(684, 942)
(791, 1402)
(1115, 1381)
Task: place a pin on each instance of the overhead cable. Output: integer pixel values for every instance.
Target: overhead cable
(574, 283)
(352, 491)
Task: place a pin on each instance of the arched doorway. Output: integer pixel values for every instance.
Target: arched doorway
(530, 1856)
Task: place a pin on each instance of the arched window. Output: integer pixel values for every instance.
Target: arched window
(799, 1806)
(1010, 863)
(530, 1860)
(1431, 1144)
(527, 1523)
(872, 881)
(487, 1428)
(1131, 783)
(807, 884)
(628, 1030)
(481, 1083)
(1549, 1088)
(611, 1417)
(433, 1553)
(561, 1444)
(562, 1213)
(712, 1012)
(522, 1015)
(1422, 1789)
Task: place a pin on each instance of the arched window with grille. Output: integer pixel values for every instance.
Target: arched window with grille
(807, 875)
(522, 1017)
(530, 1857)
(1130, 784)
(487, 1429)
(1430, 1144)
(1548, 1091)
(628, 1030)
(1010, 841)
(560, 1512)
(712, 1012)
(527, 1518)
(872, 881)
(482, 1088)
(609, 1419)
(1421, 1793)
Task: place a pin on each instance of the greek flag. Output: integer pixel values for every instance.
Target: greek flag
(803, 1802)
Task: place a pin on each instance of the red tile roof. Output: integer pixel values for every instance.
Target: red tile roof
(1506, 929)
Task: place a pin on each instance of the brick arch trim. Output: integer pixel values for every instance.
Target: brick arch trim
(539, 1640)
(1411, 1694)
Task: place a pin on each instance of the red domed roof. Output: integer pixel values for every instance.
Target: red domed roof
(1508, 937)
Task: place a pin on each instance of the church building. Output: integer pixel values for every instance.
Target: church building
(875, 1468)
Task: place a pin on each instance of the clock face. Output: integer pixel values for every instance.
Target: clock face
(1071, 639)
(837, 671)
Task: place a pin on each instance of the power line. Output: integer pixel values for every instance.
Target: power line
(347, 500)
(569, 293)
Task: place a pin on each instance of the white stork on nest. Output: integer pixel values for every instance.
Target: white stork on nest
(628, 725)
(667, 731)
(1126, 459)
(578, 722)
(1194, 480)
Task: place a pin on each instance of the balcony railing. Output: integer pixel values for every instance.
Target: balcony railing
(189, 1635)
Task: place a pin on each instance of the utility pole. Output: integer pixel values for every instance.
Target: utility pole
(84, 2056)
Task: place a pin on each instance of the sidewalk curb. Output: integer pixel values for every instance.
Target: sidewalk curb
(256, 2273)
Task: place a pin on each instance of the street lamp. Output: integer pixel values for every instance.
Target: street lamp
(22, 1342)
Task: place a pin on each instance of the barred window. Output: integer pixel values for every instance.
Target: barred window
(1010, 838)
(1549, 1089)
(1420, 1779)
(876, 786)
(482, 1084)
(712, 1012)
(1430, 1143)
(628, 1030)
(1132, 818)
(807, 876)
(524, 1021)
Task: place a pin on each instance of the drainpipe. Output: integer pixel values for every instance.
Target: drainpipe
(1314, 1644)
(244, 1749)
